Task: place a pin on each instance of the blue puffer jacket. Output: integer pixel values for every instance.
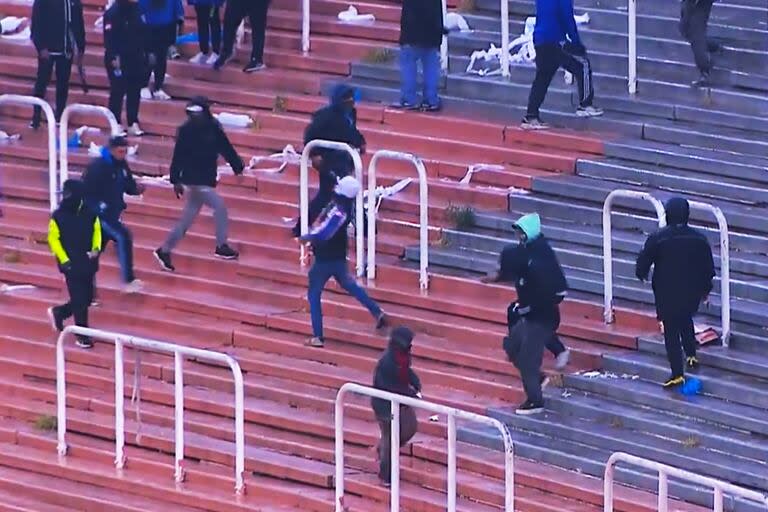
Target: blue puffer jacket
(161, 12)
(210, 3)
(555, 23)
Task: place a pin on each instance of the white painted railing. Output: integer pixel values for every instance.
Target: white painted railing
(423, 212)
(50, 118)
(444, 43)
(505, 38)
(79, 108)
(304, 196)
(664, 471)
(632, 50)
(608, 312)
(179, 352)
(452, 415)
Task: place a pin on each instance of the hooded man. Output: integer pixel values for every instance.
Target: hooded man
(199, 142)
(74, 236)
(58, 33)
(683, 270)
(328, 236)
(394, 374)
(336, 122)
(106, 181)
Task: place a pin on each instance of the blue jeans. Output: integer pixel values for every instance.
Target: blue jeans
(430, 66)
(320, 273)
(117, 232)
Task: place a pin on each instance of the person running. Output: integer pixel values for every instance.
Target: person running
(683, 270)
(208, 14)
(329, 240)
(234, 14)
(694, 17)
(558, 45)
(162, 18)
(74, 236)
(58, 33)
(394, 374)
(199, 142)
(106, 180)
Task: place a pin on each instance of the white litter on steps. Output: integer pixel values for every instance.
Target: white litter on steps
(11, 25)
(596, 374)
(475, 168)
(234, 120)
(288, 156)
(455, 21)
(10, 288)
(381, 193)
(8, 137)
(351, 15)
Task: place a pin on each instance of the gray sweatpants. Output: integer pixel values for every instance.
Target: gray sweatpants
(197, 196)
(529, 339)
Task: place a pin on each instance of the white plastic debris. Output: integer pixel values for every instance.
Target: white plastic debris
(10, 288)
(22, 35)
(434, 419)
(566, 394)
(288, 156)
(455, 21)
(234, 120)
(11, 24)
(7, 137)
(382, 193)
(351, 15)
(475, 168)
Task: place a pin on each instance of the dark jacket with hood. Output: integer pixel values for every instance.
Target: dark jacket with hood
(683, 267)
(106, 181)
(534, 268)
(393, 372)
(74, 231)
(58, 26)
(199, 142)
(421, 23)
(126, 36)
(328, 234)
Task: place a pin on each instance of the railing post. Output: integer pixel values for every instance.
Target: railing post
(608, 486)
(339, 449)
(237, 375)
(444, 43)
(394, 445)
(178, 387)
(305, 26)
(505, 72)
(632, 35)
(61, 394)
(119, 405)
(718, 500)
(663, 503)
(451, 463)
(64, 129)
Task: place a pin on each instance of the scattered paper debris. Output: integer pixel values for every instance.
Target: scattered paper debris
(288, 156)
(351, 15)
(234, 120)
(10, 288)
(7, 137)
(475, 168)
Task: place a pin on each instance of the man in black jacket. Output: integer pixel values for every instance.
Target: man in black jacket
(394, 374)
(126, 60)
(683, 270)
(329, 240)
(58, 33)
(694, 16)
(336, 122)
(235, 13)
(199, 142)
(74, 236)
(421, 34)
(106, 180)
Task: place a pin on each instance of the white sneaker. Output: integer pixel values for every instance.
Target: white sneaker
(146, 94)
(200, 58)
(135, 286)
(561, 361)
(135, 130)
(589, 112)
(212, 59)
(162, 95)
(121, 131)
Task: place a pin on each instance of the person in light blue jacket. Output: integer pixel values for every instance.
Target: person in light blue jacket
(208, 30)
(163, 17)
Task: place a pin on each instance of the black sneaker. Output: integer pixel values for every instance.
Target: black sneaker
(84, 342)
(253, 66)
(222, 60)
(528, 408)
(703, 81)
(164, 259)
(225, 252)
(381, 321)
(57, 323)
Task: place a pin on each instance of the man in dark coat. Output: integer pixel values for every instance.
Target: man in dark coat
(683, 270)
(106, 180)
(336, 122)
(394, 374)
(58, 33)
(199, 142)
(421, 34)
(694, 17)
(74, 236)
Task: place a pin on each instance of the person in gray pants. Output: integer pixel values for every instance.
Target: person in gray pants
(199, 142)
(694, 16)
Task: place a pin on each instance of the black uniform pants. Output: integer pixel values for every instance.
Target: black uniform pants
(80, 288)
(525, 348)
(679, 336)
(125, 87)
(550, 58)
(408, 426)
(45, 67)
(236, 11)
(208, 28)
(160, 39)
(694, 16)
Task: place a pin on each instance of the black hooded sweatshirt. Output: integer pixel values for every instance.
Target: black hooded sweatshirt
(421, 23)
(126, 36)
(57, 26)
(682, 261)
(386, 377)
(73, 231)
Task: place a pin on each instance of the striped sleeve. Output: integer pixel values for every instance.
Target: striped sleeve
(54, 242)
(330, 225)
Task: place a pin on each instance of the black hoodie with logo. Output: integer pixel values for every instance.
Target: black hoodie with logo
(683, 267)
(387, 375)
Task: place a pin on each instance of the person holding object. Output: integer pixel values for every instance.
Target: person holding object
(683, 270)
(106, 180)
(163, 18)
(235, 12)
(421, 34)
(558, 45)
(74, 236)
(329, 240)
(199, 142)
(208, 30)
(394, 374)
(58, 33)
(126, 59)
(694, 17)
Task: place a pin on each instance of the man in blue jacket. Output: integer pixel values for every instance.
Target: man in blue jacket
(163, 17)
(558, 45)
(106, 180)
(329, 240)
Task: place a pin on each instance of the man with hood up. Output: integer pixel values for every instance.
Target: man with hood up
(336, 122)
(199, 142)
(394, 374)
(683, 270)
(329, 239)
(74, 236)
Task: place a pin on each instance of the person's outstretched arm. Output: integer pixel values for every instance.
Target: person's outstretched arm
(646, 258)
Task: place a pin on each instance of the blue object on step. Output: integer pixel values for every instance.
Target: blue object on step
(74, 141)
(692, 387)
(187, 38)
